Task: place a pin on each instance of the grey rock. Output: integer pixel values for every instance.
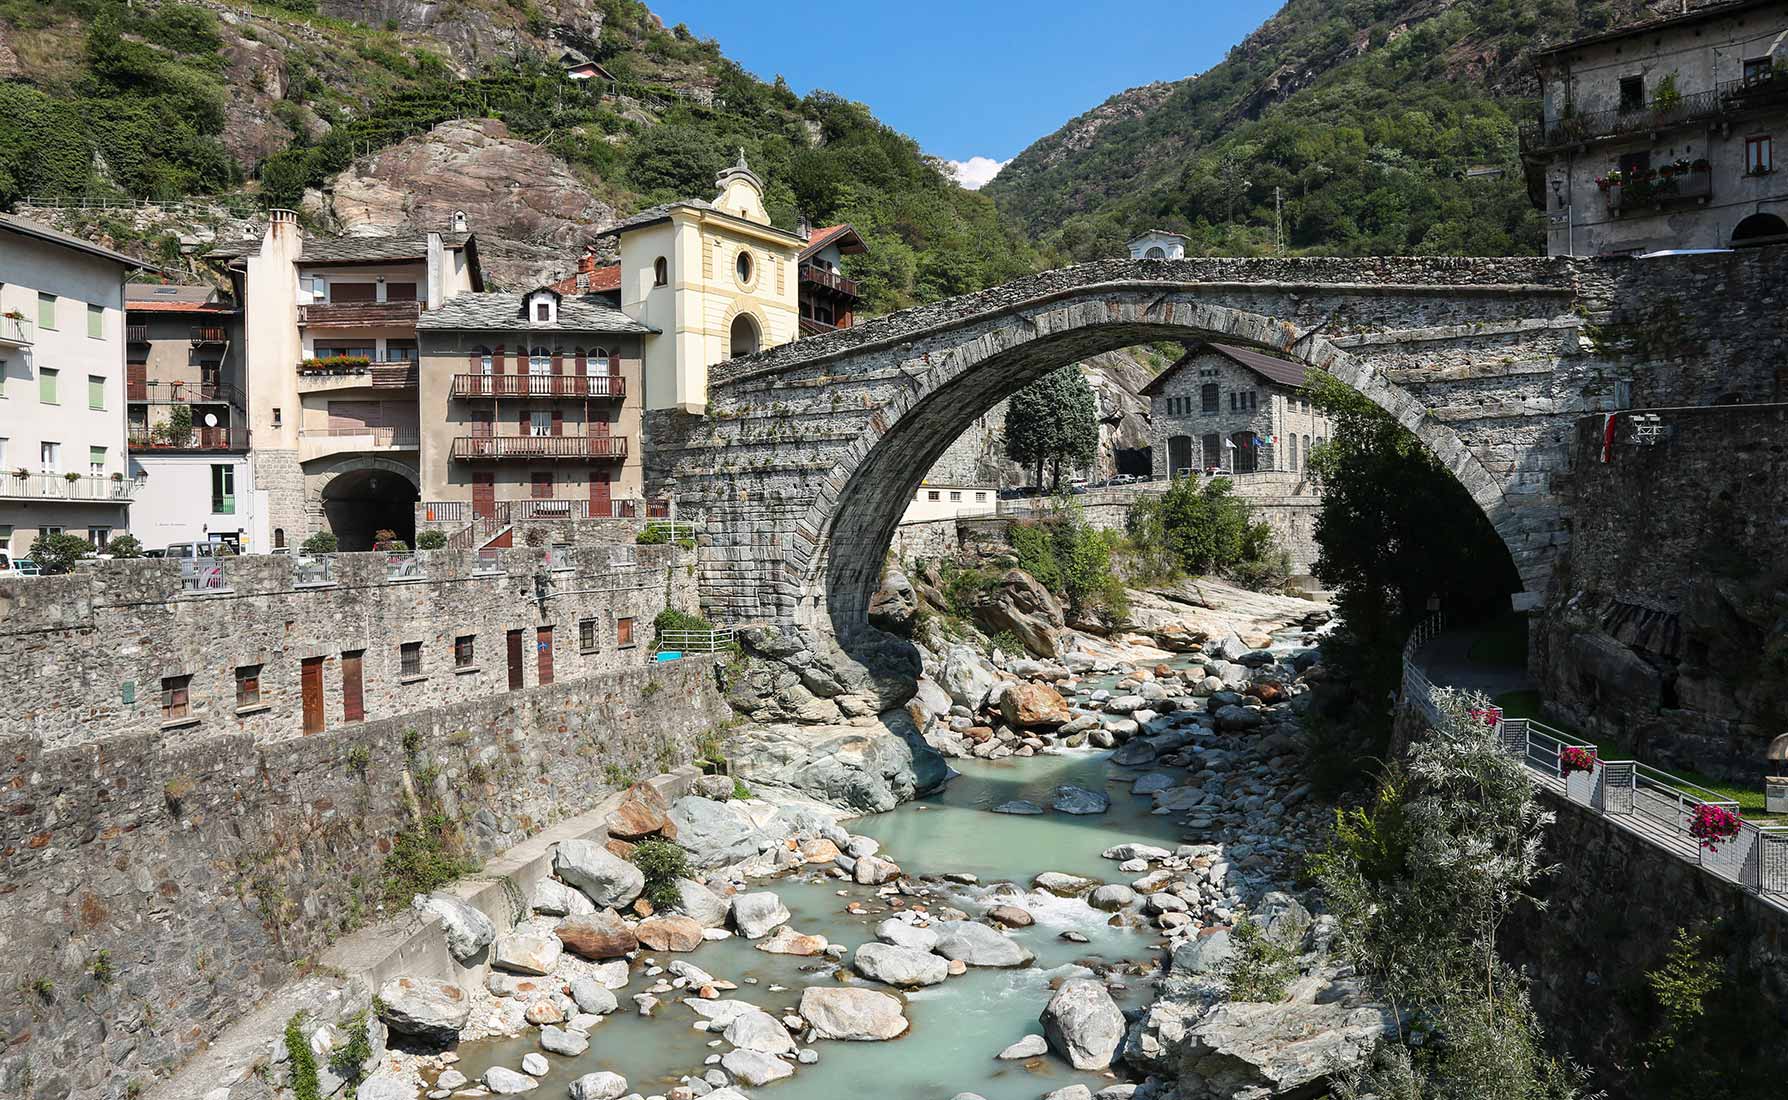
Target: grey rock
(1018, 806)
(1240, 1049)
(428, 1009)
(1204, 954)
(599, 1086)
(525, 954)
(976, 944)
(1111, 897)
(535, 1064)
(902, 934)
(715, 833)
(903, 966)
(594, 997)
(756, 915)
(1031, 1046)
(703, 905)
(560, 1041)
(750, 1067)
(1070, 1092)
(1083, 1024)
(608, 880)
(506, 1082)
(1071, 799)
(385, 1088)
(856, 1015)
(556, 899)
(468, 930)
(868, 769)
(966, 676)
(1135, 851)
(755, 1029)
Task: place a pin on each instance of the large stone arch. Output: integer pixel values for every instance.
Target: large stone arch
(810, 451)
(322, 475)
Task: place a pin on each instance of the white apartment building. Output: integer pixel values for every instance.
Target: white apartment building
(63, 463)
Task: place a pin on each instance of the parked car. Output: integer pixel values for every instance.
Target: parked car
(18, 567)
(189, 550)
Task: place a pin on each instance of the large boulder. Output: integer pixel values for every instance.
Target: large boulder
(754, 1029)
(468, 930)
(967, 675)
(975, 944)
(1025, 608)
(858, 1015)
(893, 606)
(643, 811)
(1083, 1024)
(750, 1067)
(703, 905)
(891, 965)
(607, 879)
(599, 936)
(430, 1010)
(524, 954)
(715, 833)
(1206, 953)
(1027, 705)
(670, 933)
(503, 1081)
(601, 1085)
(757, 914)
(593, 997)
(865, 769)
(1247, 1049)
(1070, 799)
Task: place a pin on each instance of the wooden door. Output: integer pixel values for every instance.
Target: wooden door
(311, 683)
(601, 498)
(353, 699)
(543, 648)
(515, 660)
(136, 381)
(484, 495)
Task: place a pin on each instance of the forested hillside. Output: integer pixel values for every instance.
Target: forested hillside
(105, 99)
(1364, 117)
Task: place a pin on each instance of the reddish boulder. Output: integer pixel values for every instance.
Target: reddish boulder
(1033, 706)
(598, 936)
(642, 812)
(671, 933)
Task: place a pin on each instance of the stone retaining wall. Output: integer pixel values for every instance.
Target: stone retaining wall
(153, 889)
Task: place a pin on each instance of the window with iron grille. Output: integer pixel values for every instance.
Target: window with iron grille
(175, 698)
(462, 651)
(409, 658)
(586, 635)
(248, 686)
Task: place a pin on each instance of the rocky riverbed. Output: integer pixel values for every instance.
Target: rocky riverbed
(1057, 920)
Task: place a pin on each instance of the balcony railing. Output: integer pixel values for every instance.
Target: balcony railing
(539, 385)
(375, 435)
(197, 439)
(1652, 194)
(202, 575)
(15, 332)
(313, 572)
(539, 446)
(53, 486)
(831, 280)
(360, 315)
(404, 567)
(378, 373)
(1731, 96)
(184, 393)
(209, 334)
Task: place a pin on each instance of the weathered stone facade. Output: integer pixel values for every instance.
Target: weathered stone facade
(113, 638)
(204, 872)
(1209, 413)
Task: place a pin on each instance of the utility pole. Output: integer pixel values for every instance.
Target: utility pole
(1278, 224)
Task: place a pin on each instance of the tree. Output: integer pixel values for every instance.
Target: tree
(124, 546)
(58, 553)
(1196, 528)
(1052, 420)
(1421, 880)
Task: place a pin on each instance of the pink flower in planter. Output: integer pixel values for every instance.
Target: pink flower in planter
(1574, 759)
(1713, 826)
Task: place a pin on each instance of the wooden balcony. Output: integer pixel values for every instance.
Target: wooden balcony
(209, 334)
(360, 315)
(539, 385)
(831, 280)
(577, 447)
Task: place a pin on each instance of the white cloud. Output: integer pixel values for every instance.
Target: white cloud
(974, 172)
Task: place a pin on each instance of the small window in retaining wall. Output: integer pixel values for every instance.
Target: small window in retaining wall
(248, 686)
(176, 701)
(462, 650)
(586, 635)
(409, 661)
(624, 633)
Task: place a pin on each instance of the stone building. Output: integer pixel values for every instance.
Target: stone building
(532, 403)
(712, 281)
(1661, 134)
(1227, 409)
(187, 415)
(63, 464)
(330, 356)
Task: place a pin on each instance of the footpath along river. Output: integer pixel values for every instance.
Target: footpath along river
(957, 1027)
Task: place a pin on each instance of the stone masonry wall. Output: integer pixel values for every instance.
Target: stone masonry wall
(1666, 630)
(1612, 910)
(203, 873)
(86, 656)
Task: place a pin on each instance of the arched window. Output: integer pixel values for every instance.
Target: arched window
(743, 265)
(1759, 227)
(1155, 253)
(482, 355)
(279, 538)
(1207, 396)
(1294, 452)
(540, 360)
(745, 336)
(597, 362)
(660, 271)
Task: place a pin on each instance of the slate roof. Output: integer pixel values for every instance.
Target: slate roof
(1646, 26)
(353, 250)
(1285, 372)
(171, 298)
(504, 310)
(24, 227)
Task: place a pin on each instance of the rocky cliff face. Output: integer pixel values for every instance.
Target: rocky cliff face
(531, 214)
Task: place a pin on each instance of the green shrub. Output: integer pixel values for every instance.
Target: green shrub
(58, 553)
(422, 860)
(663, 862)
(1261, 967)
(323, 542)
(300, 1062)
(1204, 529)
(101, 968)
(348, 1061)
(431, 540)
(124, 546)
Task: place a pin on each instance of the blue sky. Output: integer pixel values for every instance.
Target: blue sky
(973, 78)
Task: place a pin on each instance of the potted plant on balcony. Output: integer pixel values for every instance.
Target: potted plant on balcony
(71, 477)
(117, 475)
(1576, 759)
(1712, 826)
(13, 315)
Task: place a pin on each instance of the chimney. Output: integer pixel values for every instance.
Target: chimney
(586, 264)
(459, 221)
(804, 228)
(436, 267)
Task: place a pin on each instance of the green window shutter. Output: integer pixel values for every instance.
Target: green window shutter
(96, 391)
(96, 458)
(46, 385)
(96, 322)
(46, 311)
(223, 490)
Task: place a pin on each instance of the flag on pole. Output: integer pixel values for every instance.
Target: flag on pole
(1608, 437)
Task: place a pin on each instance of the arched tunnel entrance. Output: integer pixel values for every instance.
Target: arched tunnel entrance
(360, 503)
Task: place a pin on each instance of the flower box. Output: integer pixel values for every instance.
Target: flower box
(1713, 826)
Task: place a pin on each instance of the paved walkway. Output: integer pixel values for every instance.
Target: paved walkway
(1447, 662)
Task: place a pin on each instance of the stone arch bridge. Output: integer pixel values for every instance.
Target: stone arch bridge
(810, 451)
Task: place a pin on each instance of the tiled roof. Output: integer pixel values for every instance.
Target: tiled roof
(504, 310)
(843, 235)
(600, 280)
(1157, 233)
(1285, 372)
(27, 228)
(169, 298)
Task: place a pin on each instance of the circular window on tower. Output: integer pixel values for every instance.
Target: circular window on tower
(743, 267)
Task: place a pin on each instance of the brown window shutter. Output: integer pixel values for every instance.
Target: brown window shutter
(582, 363)
(496, 360)
(475, 362)
(522, 418)
(558, 363)
(558, 422)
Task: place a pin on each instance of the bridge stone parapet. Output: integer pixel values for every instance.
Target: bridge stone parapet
(809, 452)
